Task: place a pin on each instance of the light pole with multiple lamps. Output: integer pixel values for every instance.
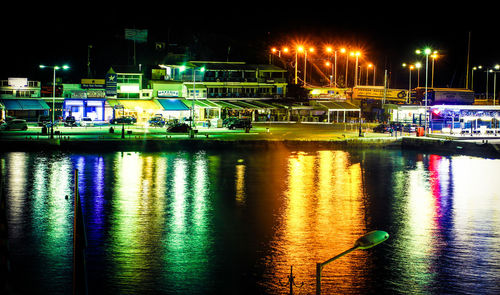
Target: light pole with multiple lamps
(54, 68)
(367, 241)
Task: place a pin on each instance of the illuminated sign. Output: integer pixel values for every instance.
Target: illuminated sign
(168, 93)
(18, 82)
(129, 88)
(379, 92)
(93, 83)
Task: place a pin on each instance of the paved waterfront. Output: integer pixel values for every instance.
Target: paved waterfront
(262, 135)
(260, 131)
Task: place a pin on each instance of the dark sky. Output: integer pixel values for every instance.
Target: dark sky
(388, 34)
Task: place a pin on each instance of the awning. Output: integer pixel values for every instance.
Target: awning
(136, 104)
(201, 103)
(25, 104)
(339, 106)
(173, 105)
(227, 104)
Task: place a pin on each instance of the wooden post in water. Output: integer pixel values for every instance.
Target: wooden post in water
(79, 244)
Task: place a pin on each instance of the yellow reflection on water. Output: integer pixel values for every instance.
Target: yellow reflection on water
(323, 215)
(240, 184)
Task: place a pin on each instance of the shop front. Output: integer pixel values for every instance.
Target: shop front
(141, 109)
(84, 108)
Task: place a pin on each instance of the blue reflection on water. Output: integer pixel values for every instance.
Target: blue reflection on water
(200, 222)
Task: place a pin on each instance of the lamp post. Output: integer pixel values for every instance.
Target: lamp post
(434, 56)
(427, 52)
(356, 54)
(367, 241)
(496, 67)
(334, 68)
(54, 68)
(305, 63)
(202, 69)
(297, 50)
(410, 67)
(472, 78)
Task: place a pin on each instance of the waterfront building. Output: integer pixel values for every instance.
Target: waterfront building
(221, 89)
(20, 98)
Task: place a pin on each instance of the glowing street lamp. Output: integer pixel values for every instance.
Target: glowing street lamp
(427, 52)
(305, 63)
(433, 56)
(410, 67)
(472, 78)
(297, 50)
(202, 69)
(356, 54)
(367, 241)
(54, 68)
(334, 72)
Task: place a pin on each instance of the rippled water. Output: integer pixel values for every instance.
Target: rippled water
(235, 223)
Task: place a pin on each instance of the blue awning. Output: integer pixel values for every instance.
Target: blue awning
(25, 104)
(173, 105)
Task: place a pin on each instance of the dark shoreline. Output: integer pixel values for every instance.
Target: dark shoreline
(427, 145)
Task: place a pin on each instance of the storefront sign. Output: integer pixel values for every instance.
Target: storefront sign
(18, 82)
(168, 93)
(111, 84)
(93, 83)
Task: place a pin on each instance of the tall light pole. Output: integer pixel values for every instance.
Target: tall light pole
(305, 63)
(496, 67)
(202, 69)
(410, 67)
(334, 69)
(434, 56)
(297, 50)
(54, 68)
(472, 78)
(427, 52)
(367, 241)
(356, 54)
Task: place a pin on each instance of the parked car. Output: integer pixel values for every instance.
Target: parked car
(156, 121)
(70, 121)
(15, 124)
(124, 120)
(228, 121)
(179, 128)
(86, 121)
(410, 128)
(381, 128)
(240, 123)
(43, 120)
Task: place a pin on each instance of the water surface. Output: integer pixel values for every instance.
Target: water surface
(234, 223)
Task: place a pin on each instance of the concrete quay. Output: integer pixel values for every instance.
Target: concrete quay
(262, 136)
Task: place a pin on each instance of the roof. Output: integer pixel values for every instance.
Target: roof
(339, 106)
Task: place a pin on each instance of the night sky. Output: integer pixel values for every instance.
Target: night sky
(388, 35)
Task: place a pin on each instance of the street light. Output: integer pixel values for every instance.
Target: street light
(334, 73)
(410, 67)
(367, 241)
(305, 63)
(427, 52)
(434, 56)
(356, 54)
(472, 78)
(202, 69)
(54, 68)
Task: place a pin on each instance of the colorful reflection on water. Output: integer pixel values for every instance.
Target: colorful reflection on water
(235, 223)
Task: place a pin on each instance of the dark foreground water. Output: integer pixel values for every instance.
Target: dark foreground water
(235, 223)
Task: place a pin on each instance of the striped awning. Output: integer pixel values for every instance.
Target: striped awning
(25, 104)
(173, 105)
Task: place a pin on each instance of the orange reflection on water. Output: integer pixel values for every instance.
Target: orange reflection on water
(323, 215)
